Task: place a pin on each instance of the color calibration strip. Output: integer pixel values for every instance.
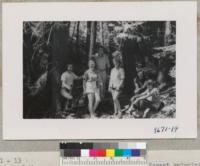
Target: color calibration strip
(103, 149)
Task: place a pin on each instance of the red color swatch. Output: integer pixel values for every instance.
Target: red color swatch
(101, 153)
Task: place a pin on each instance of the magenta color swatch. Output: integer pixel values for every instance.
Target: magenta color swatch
(93, 152)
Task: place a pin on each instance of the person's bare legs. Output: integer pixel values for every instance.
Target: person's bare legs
(131, 108)
(90, 104)
(113, 97)
(97, 101)
(146, 112)
(117, 106)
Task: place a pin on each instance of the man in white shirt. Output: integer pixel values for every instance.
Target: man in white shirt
(67, 79)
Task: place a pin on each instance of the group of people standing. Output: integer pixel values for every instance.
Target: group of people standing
(96, 80)
(99, 78)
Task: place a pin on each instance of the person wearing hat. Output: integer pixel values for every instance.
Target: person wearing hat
(102, 66)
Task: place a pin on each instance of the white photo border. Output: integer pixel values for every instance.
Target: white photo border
(17, 128)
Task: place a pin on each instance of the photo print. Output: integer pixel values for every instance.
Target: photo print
(99, 69)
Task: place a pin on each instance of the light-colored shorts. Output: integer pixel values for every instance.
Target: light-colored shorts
(115, 94)
(91, 87)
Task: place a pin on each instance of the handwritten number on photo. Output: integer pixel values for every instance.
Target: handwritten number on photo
(166, 129)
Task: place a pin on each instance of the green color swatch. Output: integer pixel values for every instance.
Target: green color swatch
(118, 152)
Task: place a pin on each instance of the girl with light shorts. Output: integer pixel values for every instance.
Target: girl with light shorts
(116, 83)
(91, 86)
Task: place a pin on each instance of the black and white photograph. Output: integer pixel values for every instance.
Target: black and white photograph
(129, 72)
(99, 69)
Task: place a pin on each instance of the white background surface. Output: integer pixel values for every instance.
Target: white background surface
(157, 145)
(14, 127)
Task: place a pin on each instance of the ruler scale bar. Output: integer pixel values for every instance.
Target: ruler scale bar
(103, 161)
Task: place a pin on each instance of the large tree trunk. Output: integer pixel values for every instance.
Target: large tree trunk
(92, 38)
(101, 33)
(58, 60)
(88, 37)
(27, 53)
(129, 51)
(77, 39)
(95, 35)
(77, 33)
(167, 32)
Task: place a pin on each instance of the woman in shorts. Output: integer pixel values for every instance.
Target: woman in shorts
(91, 87)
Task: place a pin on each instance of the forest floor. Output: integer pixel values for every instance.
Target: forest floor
(105, 109)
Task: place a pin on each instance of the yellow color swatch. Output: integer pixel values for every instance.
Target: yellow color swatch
(110, 152)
